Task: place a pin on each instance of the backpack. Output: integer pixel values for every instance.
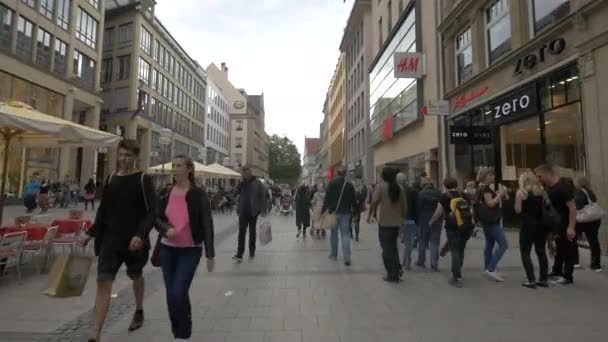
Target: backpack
(462, 212)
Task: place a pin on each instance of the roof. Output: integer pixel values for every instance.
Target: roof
(256, 102)
(312, 146)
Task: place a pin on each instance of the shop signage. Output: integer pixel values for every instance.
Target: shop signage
(462, 100)
(470, 135)
(518, 104)
(387, 127)
(409, 65)
(530, 61)
(436, 107)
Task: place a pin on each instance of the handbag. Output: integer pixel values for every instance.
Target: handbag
(485, 214)
(330, 220)
(591, 212)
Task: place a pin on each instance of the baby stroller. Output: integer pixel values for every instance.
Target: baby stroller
(286, 205)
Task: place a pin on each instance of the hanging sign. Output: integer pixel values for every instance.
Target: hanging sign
(409, 65)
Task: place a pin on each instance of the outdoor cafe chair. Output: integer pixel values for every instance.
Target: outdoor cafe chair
(70, 240)
(11, 245)
(41, 249)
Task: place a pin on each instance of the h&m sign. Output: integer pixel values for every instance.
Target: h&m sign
(409, 65)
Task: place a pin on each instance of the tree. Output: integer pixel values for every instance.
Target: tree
(284, 160)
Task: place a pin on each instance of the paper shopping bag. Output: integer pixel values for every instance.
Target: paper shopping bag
(68, 276)
(265, 232)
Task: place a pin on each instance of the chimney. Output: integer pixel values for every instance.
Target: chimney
(225, 69)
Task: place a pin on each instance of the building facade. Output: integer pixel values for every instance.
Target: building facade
(400, 134)
(356, 46)
(50, 53)
(311, 150)
(258, 142)
(524, 83)
(337, 112)
(217, 138)
(151, 87)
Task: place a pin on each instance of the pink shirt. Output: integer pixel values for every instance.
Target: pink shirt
(177, 214)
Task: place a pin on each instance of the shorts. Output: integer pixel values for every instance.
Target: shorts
(111, 259)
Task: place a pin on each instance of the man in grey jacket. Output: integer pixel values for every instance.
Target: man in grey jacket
(251, 203)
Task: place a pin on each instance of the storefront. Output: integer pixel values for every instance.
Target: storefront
(539, 122)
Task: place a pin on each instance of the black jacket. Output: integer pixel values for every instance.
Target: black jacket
(199, 214)
(332, 196)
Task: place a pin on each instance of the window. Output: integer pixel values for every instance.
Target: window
(124, 65)
(94, 3)
(63, 14)
(464, 56)
(161, 56)
(125, 34)
(146, 40)
(84, 69)
(154, 79)
(389, 9)
(61, 51)
(46, 8)
(108, 38)
(6, 28)
(106, 70)
(86, 28)
(239, 125)
(498, 30)
(43, 49)
(380, 39)
(30, 3)
(239, 142)
(144, 70)
(24, 38)
(156, 50)
(548, 12)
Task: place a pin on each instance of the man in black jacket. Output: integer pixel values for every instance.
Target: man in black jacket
(124, 219)
(340, 199)
(252, 203)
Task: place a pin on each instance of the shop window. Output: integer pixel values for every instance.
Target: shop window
(549, 12)
(564, 139)
(562, 88)
(498, 30)
(464, 56)
(6, 27)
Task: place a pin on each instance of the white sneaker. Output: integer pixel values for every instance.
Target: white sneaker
(577, 266)
(494, 276)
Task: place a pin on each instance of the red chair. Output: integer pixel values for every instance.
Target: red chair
(41, 249)
(70, 240)
(11, 245)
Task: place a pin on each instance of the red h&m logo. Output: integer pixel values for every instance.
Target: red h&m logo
(387, 128)
(408, 65)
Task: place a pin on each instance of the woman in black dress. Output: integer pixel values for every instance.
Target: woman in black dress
(302, 210)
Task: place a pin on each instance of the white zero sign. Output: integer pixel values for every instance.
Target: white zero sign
(511, 107)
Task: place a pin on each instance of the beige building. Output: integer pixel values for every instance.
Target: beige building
(400, 134)
(357, 48)
(50, 54)
(337, 112)
(145, 68)
(524, 79)
(249, 143)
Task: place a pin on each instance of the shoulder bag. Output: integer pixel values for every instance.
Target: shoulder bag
(330, 220)
(484, 213)
(592, 212)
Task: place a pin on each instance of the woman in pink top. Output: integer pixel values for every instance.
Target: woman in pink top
(186, 227)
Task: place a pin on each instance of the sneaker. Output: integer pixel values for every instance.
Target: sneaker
(456, 282)
(542, 284)
(577, 266)
(237, 259)
(391, 280)
(420, 265)
(596, 269)
(251, 256)
(333, 257)
(138, 320)
(347, 263)
(434, 268)
(298, 235)
(494, 276)
(529, 284)
(554, 276)
(563, 282)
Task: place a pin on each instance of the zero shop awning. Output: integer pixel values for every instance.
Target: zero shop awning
(34, 128)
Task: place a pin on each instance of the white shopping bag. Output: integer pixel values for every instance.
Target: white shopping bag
(265, 232)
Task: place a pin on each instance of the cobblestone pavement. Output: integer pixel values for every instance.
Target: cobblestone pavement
(293, 292)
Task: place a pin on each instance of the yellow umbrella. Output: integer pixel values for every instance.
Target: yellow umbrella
(33, 128)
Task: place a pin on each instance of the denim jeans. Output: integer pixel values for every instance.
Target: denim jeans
(429, 238)
(343, 228)
(495, 235)
(388, 237)
(178, 266)
(457, 241)
(66, 199)
(411, 229)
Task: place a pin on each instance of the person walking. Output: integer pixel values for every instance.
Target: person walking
(529, 202)
(317, 207)
(340, 199)
(43, 196)
(252, 203)
(583, 197)
(391, 200)
(561, 195)
(458, 236)
(489, 213)
(358, 208)
(302, 210)
(89, 195)
(410, 230)
(31, 193)
(75, 193)
(430, 235)
(186, 226)
(66, 197)
(125, 216)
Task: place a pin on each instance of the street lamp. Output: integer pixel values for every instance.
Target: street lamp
(166, 136)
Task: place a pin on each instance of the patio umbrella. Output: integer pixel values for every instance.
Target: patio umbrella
(168, 167)
(224, 171)
(22, 123)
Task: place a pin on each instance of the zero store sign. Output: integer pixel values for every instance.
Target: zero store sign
(530, 61)
(513, 106)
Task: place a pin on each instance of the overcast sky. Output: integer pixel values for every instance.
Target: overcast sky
(287, 49)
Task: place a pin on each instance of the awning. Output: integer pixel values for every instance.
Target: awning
(168, 167)
(224, 171)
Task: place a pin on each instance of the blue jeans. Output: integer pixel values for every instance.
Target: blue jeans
(344, 225)
(411, 230)
(66, 199)
(178, 266)
(429, 238)
(494, 235)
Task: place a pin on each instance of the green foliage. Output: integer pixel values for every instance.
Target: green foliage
(285, 160)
